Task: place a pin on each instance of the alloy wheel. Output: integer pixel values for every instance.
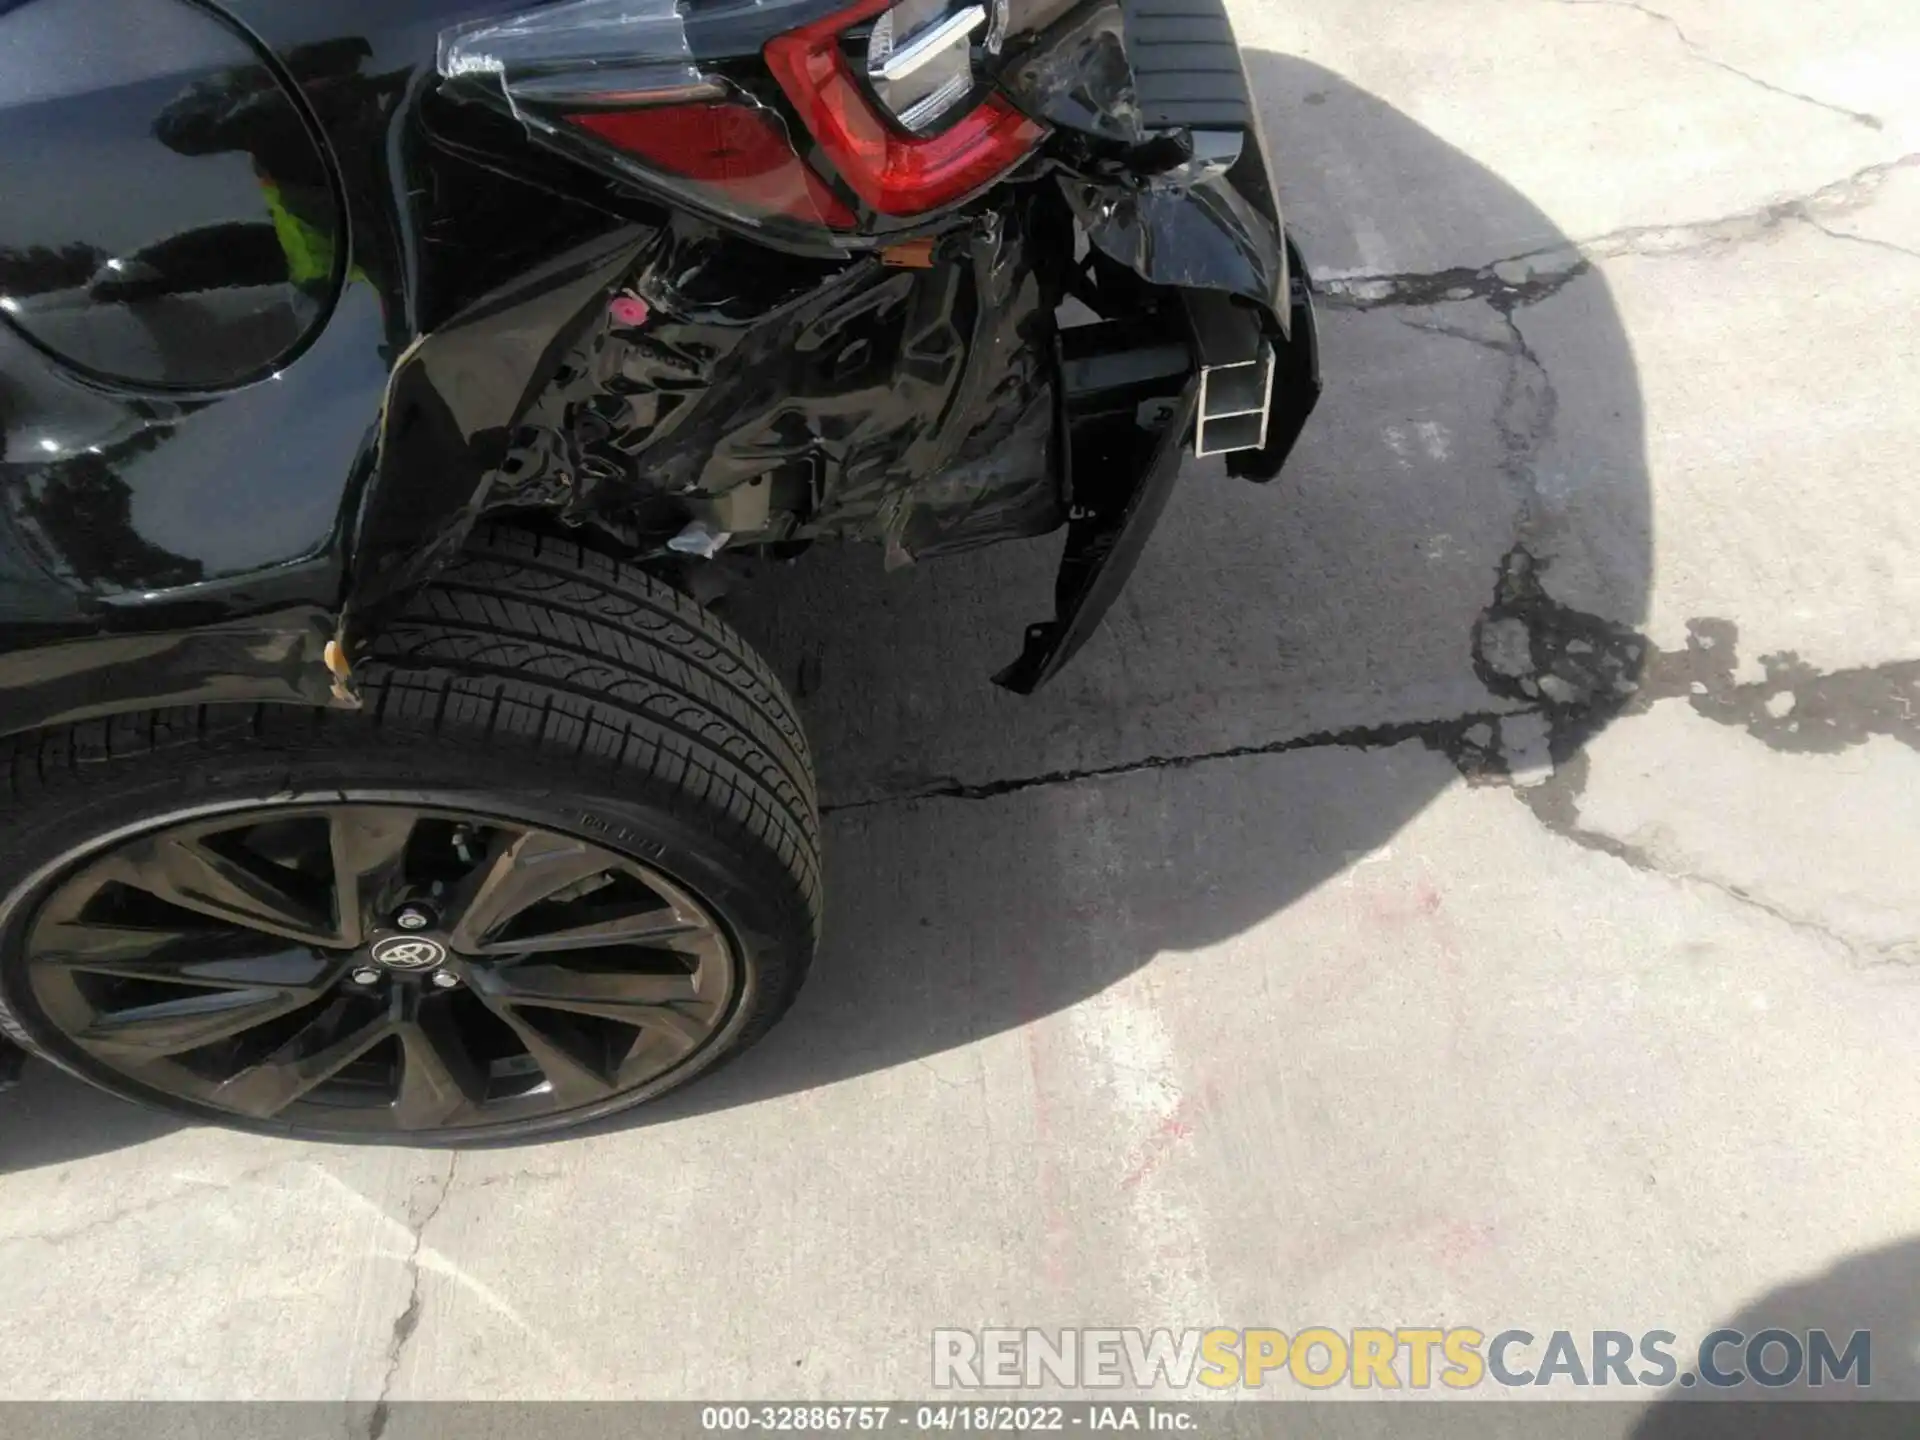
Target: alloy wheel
(363, 968)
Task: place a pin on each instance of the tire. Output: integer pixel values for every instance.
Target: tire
(538, 697)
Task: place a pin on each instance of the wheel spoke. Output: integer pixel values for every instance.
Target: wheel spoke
(519, 873)
(667, 1010)
(631, 999)
(315, 1054)
(227, 960)
(83, 946)
(183, 872)
(575, 1081)
(439, 1082)
(151, 1032)
(661, 927)
(369, 845)
(679, 1031)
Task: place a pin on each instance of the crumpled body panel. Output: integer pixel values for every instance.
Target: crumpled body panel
(516, 330)
(1188, 229)
(912, 406)
(1076, 74)
(1145, 197)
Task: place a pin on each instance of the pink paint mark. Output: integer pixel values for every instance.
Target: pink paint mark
(1058, 1241)
(1170, 1132)
(1053, 1206)
(1392, 909)
(629, 310)
(1463, 1240)
(1452, 1243)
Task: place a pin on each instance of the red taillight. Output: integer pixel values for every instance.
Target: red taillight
(896, 174)
(739, 151)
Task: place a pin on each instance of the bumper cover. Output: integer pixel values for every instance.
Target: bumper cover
(1184, 201)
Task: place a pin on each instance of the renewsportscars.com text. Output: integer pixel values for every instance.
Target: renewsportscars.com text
(1403, 1357)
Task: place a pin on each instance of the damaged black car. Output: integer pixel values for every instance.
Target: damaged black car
(381, 384)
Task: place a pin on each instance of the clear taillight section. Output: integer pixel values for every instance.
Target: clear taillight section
(590, 51)
(920, 59)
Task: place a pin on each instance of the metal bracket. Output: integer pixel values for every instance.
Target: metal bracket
(1102, 548)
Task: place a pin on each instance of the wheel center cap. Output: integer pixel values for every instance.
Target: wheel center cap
(409, 952)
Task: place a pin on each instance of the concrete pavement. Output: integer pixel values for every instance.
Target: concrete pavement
(1467, 882)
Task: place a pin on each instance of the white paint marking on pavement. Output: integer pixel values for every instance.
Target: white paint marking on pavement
(438, 1262)
(1125, 1048)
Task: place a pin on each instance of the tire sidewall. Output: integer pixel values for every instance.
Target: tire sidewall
(105, 804)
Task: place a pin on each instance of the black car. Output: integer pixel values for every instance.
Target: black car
(384, 384)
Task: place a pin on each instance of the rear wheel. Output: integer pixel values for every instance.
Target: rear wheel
(566, 859)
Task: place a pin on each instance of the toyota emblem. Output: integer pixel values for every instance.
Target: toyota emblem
(409, 952)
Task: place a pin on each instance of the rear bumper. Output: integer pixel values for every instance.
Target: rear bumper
(1187, 205)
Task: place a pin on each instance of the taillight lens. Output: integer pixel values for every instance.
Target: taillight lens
(621, 75)
(893, 172)
(738, 153)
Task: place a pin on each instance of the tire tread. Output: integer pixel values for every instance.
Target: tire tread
(539, 644)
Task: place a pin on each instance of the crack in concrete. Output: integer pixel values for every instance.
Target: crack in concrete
(1873, 240)
(1701, 53)
(1556, 806)
(1527, 412)
(1531, 276)
(408, 1320)
(1578, 671)
(86, 1228)
(1563, 675)
(169, 1200)
(523, 1177)
(1506, 284)
(1584, 672)
(1454, 737)
(1795, 709)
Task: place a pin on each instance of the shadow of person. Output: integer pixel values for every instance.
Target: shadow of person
(1877, 1291)
(1444, 580)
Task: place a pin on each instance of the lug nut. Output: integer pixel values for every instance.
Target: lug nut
(365, 976)
(445, 979)
(413, 918)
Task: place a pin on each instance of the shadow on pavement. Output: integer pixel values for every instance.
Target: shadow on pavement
(1481, 431)
(50, 1118)
(1877, 1291)
(1368, 595)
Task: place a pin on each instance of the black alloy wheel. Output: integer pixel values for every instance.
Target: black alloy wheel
(378, 968)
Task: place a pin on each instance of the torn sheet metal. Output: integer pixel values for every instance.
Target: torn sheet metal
(1102, 549)
(912, 407)
(1160, 202)
(1077, 76)
(1187, 229)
